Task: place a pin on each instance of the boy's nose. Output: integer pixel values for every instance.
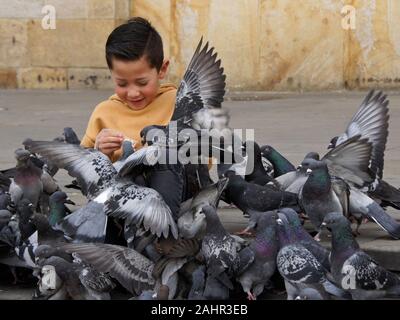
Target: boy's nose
(133, 93)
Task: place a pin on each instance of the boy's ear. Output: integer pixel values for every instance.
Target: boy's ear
(164, 69)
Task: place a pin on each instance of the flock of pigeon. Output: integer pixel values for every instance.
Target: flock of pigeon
(152, 229)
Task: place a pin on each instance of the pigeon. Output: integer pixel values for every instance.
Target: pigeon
(127, 150)
(131, 269)
(298, 266)
(46, 234)
(27, 181)
(319, 196)
(304, 238)
(45, 251)
(100, 182)
(25, 211)
(249, 197)
(58, 210)
(265, 248)
(280, 164)
(81, 282)
(191, 222)
(258, 175)
(5, 183)
(198, 283)
(353, 269)
(371, 122)
(221, 253)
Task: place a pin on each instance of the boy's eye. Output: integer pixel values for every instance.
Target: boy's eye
(121, 84)
(142, 83)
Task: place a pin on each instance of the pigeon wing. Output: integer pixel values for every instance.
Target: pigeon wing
(368, 274)
(350, 160)
(130, 268)
(371, 121)
(203, 85)
(141, 206)
(93, 170)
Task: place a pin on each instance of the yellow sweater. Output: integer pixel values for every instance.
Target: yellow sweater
(116, 114)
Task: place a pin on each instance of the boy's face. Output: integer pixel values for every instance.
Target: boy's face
(136, 83)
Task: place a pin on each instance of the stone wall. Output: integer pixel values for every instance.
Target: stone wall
(264, 44)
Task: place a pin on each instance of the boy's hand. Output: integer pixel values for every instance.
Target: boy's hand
(108, 141)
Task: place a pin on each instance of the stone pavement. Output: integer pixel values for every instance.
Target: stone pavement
(293, 123)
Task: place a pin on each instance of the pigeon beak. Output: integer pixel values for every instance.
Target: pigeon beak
(279, 221)
(297, 298)
(309, 171)
(330, 146)
(299, 167)
(323, 224)
(68, 200)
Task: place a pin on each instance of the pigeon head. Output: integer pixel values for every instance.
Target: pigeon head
(266, 151)
(22, 155)
(127, 148)
(24, 204)
(311, 165)
(312, 155)
(60, 197)
(291, 216)
(333, 142)
(334, 220)
(43, 252)
(252, 147)
(266, 219)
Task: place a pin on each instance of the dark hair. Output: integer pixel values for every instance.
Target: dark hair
(133, 40)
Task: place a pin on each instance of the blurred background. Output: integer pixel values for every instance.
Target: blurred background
(265, 45)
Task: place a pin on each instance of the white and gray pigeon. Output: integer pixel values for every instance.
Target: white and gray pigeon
(265, 248)
(111, 194)
(298, 266)
(353, 269)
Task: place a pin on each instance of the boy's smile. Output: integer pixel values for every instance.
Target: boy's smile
(136, 82)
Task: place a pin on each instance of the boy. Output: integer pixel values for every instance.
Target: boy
(134, 54)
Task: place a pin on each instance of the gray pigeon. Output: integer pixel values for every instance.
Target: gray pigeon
(46, 234)
(371, 121)
(131, 269)
(198, 284)
(319, 197)
(352, 268)
(221, 253)
(191, 222)
(27, 181)
(81, 282)
(305, 239)
(280, 164)
(58, 210)
(298, 266)
(265, 248)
